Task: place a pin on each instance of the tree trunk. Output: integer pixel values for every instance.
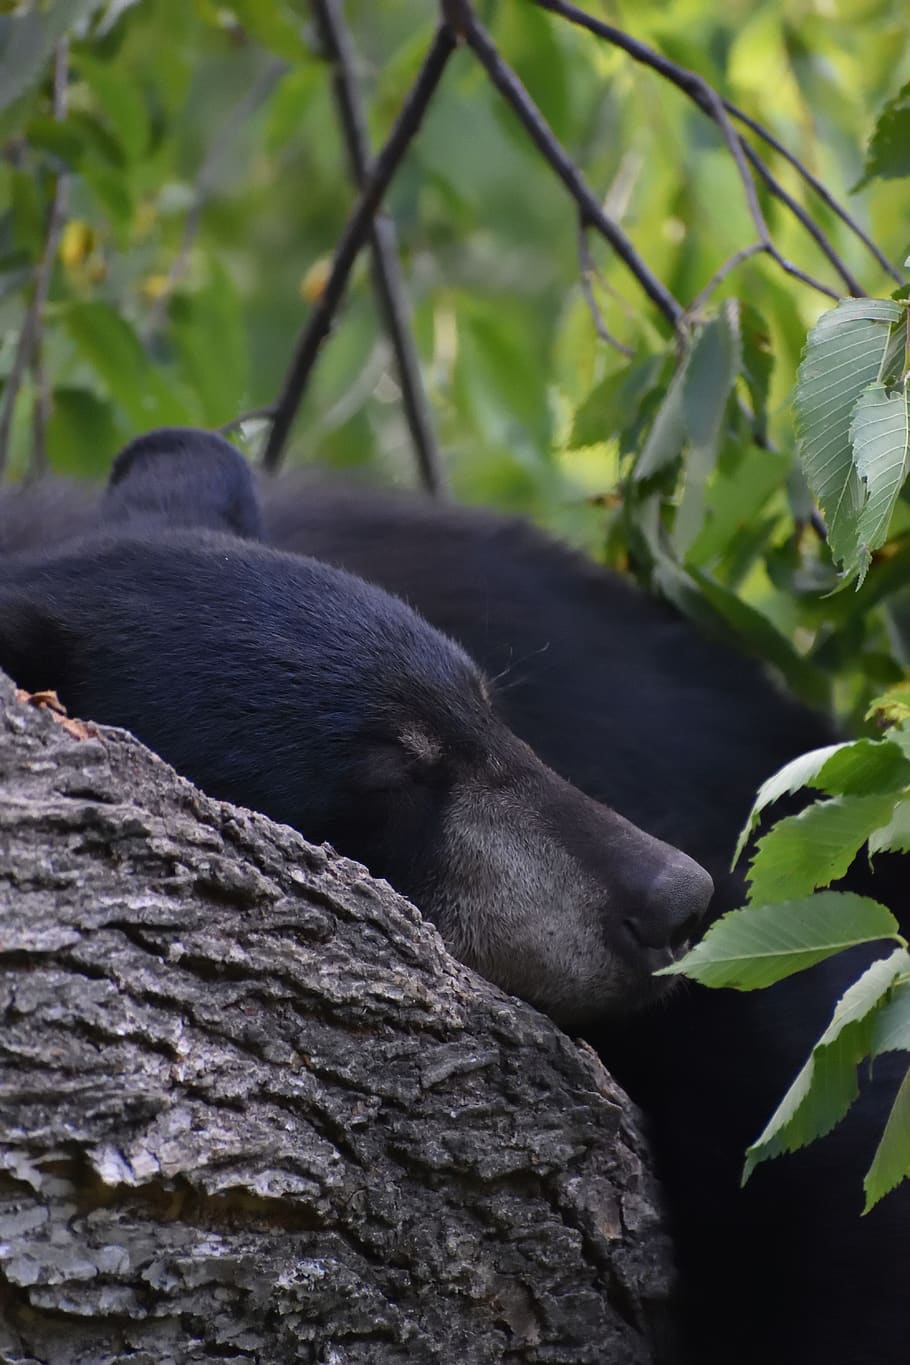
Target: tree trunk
(251, 1109)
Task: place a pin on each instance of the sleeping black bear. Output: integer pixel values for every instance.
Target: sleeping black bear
(624, 700)
(277, 682)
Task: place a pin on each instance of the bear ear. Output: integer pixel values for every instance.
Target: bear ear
(34, 648)
(183, 477)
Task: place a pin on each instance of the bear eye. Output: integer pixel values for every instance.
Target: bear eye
(418, 744)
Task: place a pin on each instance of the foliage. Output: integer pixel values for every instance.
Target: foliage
(178, 200)
(785, 928)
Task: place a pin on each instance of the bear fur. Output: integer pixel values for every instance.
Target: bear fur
(277, 682)
(626, 701)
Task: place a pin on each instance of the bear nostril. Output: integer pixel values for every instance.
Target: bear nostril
(685, 932)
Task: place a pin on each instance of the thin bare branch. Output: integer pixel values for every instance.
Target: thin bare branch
(256, 95)
(387, 279)
(701, 298)
(817, 187)
(708, 101)
(799, 213)
(355, 235)
(28, 348)
(587, 270)
(593, 215)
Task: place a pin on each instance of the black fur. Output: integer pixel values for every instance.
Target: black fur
(277, 682)
(178, 476)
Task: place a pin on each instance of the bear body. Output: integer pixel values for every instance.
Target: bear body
(625, 701)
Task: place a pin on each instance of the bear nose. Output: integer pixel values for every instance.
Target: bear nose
(669, 909)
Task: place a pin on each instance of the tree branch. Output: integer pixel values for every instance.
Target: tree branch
(387, 279)
(356, 233)
(229, 1071)
(711, 104)
(701, 298)
(593, 215)
(587, 269)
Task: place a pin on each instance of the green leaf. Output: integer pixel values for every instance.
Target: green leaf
(799, 772)
(891, 1030)
(880, 437)
(757, 363)
(27, 40)
(891, 1163)
(667, 434)
(760, 944)
(892, 706)
(708, 379)
(888, 155)
(614, 403)
(206, 324)
(121, 102)
(109, 344)
(815, 847)
(826, 1086)
(28, 213)
(274, 24)
(82, 434)
(845, 353)
(895, 835)
(863, 767)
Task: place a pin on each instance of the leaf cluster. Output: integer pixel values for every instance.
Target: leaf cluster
(791, 923)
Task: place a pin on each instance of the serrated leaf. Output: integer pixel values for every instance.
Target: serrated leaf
(892, 706)
(756, 946)
(888, 155)
(707, 380)
(891, 1029)
(895, 835)
(667, 434)
(799, 772)
(865, 767)
(880, 437)
(816, 847)
(845, 353)
(891, 1163)
(826, 1086)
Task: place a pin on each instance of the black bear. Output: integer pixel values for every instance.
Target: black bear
(625, 700)
(280, 683)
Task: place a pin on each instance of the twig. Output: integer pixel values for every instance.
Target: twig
(387, 280)
(28, 348)
(587, 269)
(707, 99)
(593, 215)
(355, 234)
(817, 186)
(256, 95)
(701, 298)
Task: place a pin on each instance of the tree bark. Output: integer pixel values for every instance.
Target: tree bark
(250, 1108)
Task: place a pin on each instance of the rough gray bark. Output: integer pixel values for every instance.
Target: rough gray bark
(251, 1109)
